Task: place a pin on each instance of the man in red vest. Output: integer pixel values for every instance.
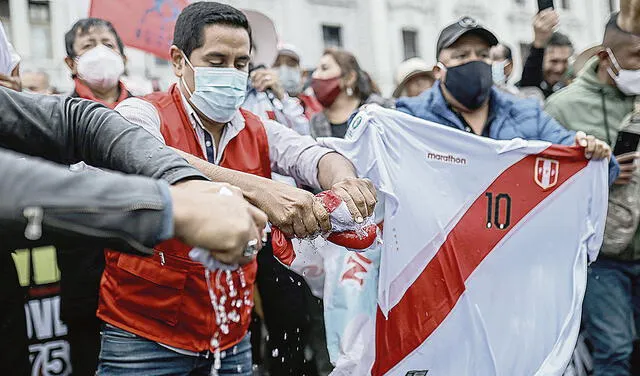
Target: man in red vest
(158, 310)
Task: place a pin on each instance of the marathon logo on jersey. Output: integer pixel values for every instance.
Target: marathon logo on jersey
(546, 172)
(357, 267)
(446, 158)
(417, 373)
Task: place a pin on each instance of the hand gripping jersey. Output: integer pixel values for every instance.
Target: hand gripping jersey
(306, 256)
(483, 266)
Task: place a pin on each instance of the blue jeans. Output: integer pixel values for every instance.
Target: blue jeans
(611, 312)
(124, 353)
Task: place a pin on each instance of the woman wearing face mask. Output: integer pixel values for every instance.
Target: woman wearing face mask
(341, 87)
(95, 56)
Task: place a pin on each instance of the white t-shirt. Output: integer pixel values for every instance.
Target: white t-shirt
(483, 266)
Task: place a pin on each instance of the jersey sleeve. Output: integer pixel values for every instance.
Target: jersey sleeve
(364, 146)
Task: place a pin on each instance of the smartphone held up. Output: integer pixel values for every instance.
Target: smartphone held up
(627, 142)
(544, 4)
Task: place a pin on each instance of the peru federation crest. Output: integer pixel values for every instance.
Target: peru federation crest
(546, 172)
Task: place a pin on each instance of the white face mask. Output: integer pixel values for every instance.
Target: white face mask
(627, 81)
(497, 72)
(100, 67)
(219, 92)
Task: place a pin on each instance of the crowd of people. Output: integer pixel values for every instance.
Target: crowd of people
(227, 125)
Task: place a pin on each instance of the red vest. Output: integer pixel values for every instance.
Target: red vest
(83, 91)
(165, 297)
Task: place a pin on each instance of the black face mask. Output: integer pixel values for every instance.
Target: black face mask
(470, 83)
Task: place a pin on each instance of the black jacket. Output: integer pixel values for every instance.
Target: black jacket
(67, 209)
(66, 131)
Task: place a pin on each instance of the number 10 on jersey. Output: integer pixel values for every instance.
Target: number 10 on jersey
(498, 211)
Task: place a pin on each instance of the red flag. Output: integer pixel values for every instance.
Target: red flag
(144, 24)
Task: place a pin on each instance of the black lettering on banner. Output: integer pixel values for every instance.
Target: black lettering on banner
(493, 212)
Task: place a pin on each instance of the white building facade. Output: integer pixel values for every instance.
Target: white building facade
(381, 33)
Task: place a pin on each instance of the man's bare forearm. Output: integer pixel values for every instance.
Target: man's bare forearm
(248, 183)
(334, 168)
(293, 210)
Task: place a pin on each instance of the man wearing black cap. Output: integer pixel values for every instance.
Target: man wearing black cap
(464, 96)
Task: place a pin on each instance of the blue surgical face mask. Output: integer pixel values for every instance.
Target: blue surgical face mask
(219, 92)
(290, 78)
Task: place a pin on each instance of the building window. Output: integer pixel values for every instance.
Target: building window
(40, 23)
(565, 4)
(332, 36)
(410, 43)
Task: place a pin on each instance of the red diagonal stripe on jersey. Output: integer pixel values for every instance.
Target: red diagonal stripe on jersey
(429, 300)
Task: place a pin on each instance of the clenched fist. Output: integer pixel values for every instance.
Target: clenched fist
(544, 23)
(218, 222)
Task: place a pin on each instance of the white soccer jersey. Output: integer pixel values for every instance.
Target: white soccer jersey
(486, 244)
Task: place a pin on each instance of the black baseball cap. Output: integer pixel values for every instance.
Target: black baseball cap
(465, 25)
